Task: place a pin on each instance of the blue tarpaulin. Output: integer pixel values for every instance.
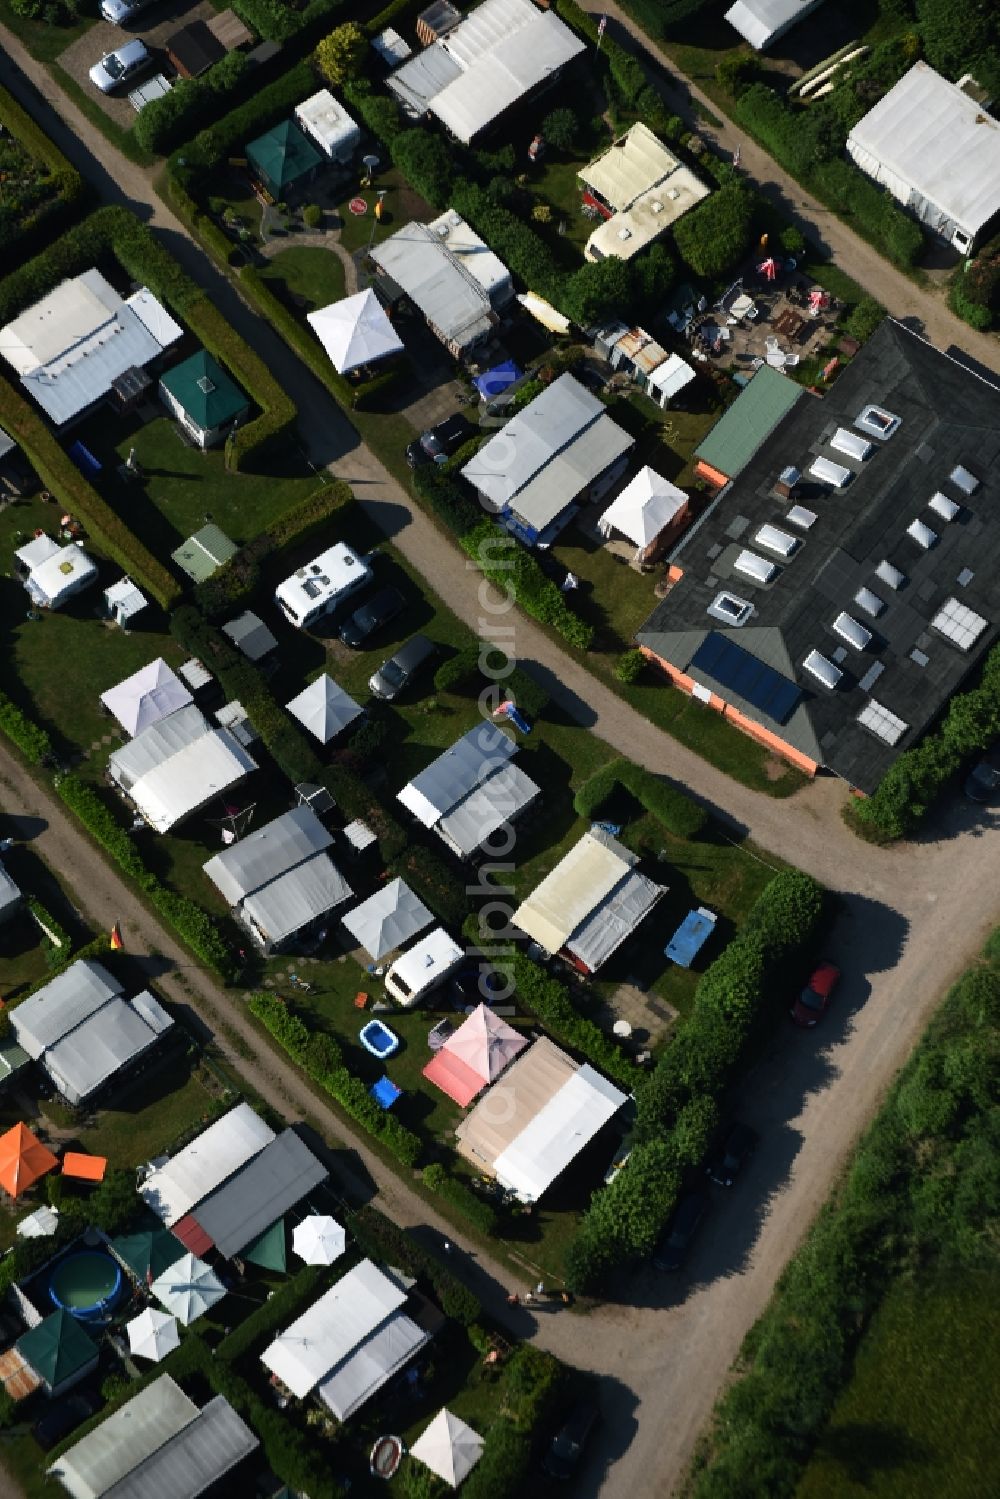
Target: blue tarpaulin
(693, 932)
(385, 1092)
(495, 381)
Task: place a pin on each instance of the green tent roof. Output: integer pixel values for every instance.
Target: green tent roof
(153, 1249)
(204, 552)
(57, 1348)
(283, 156)
(12, 1059)
(205, 391)
(751, 419)
(269, 1249)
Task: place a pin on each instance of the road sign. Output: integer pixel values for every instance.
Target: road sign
(359, 207)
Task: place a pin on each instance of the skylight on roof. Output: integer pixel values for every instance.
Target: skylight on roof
(921, 534)
(758, 568)
(941, 505)
(829, 472)
(205, 385)
(844, 441)
(776, 540)
(730, 608)
(959, 624)
(848, 628)
(890, 575)
(877, 422)
(801, 517)
(823, 669)
(869, 602)
(877, 719)
(963, 480)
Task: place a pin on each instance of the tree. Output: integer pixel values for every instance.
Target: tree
(736, 73)
(716, 234)
(426, 163)
(560, 129)
(341, 55)
(597, 291)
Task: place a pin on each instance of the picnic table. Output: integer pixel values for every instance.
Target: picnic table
(689, 938)
(789, 324)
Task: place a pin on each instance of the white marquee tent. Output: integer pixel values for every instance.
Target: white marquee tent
(645, 507)
(355, 331)
(449, 1447)
(387, 919)
(146, 696)
(324, 708)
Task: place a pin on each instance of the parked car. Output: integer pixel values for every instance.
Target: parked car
(734, 1152)
(121, 65)
(566, 1448)
(121, 12)
(396, 674)
(983, 781)
(673, 1248)
(814, 1001)
(64, 1416)
(378, 611)
(441, 441)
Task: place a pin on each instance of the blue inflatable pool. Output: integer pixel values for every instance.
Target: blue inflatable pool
(378, 1039)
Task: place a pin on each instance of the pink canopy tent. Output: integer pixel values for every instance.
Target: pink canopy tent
(475, 1055)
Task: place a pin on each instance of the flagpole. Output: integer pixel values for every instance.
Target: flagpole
(602, 23)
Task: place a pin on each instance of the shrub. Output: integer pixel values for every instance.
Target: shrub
(715, 235)
(426, 163)
(64, 195)
(31, 739)
(441, 889)
(560, 129)
(194, 102)
(631, 666)
(460, 672)
(735, 74)
(454, 1191)
(383, 1240)
(548, 999)
(512, 569)
(864, 319)
(674, 809)
(312, 215)
(340, 55)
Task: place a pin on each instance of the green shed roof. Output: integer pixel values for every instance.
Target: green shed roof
(283, 156)
(149, 1250)
(205, 391)
(12, 1059)
(269, 1249)
(57, 1348)
(751, 418)
(204, 552)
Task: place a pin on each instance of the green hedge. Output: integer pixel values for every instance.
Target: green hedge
(193, 162)
(515, 571)
(381, 1239)
(713, 237)
(462, 1198)
(193, 924)
(441, 888)
(194, 102)
(280, 1308)
(69, 191)
(32, 740)
(277, 21)
(916, 778)
(293, 1035)
(56, 941)
(528, 1393)
(674, 809)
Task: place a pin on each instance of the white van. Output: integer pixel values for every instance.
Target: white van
(320, 586)
(422, 967)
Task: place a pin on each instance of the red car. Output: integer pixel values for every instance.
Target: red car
(815, 997)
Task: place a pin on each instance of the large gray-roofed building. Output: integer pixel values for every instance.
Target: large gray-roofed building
(469, 762)
(880, 596)
(548, 455)
(937, 151)
(158, 1445)
(280, 909)
(263, 855)
(259, 1193)
(81, 990)
(90, 1054)
(457, 307)
(175, 1189)
(484, 810)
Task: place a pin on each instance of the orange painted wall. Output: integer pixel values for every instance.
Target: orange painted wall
(732, 715)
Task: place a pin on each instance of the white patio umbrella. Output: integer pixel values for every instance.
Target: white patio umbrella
(39, 1224)
(152, 1334)
(188, 1289)
(319, 1240)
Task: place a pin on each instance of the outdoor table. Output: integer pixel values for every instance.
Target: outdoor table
(741, 306)
(790, 323)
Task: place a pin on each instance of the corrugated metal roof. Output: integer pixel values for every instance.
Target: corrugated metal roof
(498, 800)
(448, 295)
(614, 920)
(631, 165)
(155, 744)
(269, 852)
(371, 1365)
(193, 1460)
(592, 869)
(333, 1327)
(89, 1055)
(269, 1185)
(84, 373)
(749, 421)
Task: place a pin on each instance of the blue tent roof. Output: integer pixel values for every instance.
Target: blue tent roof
(495, 381)
(385, 1092)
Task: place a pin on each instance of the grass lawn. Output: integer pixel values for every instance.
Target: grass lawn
(305, 276)
(42, 40)
(22, 956)
(917, 1420)
(401, 206)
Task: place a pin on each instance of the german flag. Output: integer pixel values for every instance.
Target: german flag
(116, 938)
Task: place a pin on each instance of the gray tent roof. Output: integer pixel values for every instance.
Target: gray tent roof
(10, 894)
(250, 634)
(614, 920)
(387, 919)
(450, 778)
(498, 800)
(268, 853)
(269, 1185)
(91, 1053)
(369, 1366)
(285, 905)
(155, 745)
(63, 1004)
(324, 708)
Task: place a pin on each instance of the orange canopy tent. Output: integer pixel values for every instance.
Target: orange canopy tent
(85, 1168)
(23, 1159)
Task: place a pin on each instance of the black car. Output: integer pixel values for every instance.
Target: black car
(440, 442)
(378, 611)
(673, 1248)
(63, 1417)
(566, 1449)
(396, 674)
(983, 781)
(733, 1154)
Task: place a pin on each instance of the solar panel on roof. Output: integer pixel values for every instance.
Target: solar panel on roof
(759, 684)
(959, 624)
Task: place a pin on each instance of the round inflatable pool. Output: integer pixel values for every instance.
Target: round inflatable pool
(86, 1285)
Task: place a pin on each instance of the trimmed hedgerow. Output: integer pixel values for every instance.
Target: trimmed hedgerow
(514, 571)
(31, 739)
(383, 1240)
(63, 203)
(674, 809)
(281, 1307)
(479, 1212)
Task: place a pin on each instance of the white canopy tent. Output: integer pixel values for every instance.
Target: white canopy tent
(152, 1334)
(387, 919)
(324, 709)
(646, 506)
(188, 1289)
(557, 1133)
(182, 784)
(319, 1239)
(449, 1447)
(333, 1328)
(355, 331)
(39, 1224)
(668, 379)
(53, 573)
(145, 697)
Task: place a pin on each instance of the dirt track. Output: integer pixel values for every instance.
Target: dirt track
(911, 919)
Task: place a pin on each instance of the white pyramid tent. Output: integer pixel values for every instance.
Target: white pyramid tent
(324, 709)
(644, 508)
(387, 919)
(145, 697)
(355, 331)
(449, 1448)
